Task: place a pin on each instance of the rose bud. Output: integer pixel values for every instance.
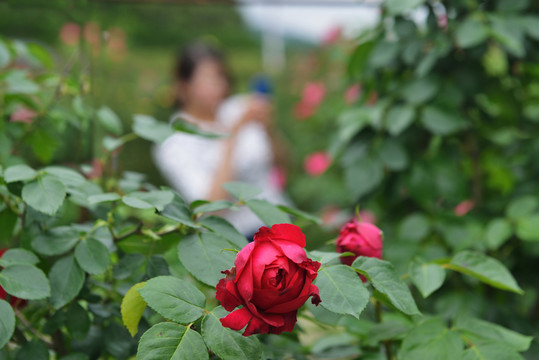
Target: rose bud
(360, 238)
(272, 278)
(14, 301)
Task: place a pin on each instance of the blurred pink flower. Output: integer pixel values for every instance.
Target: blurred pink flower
(70, 34)
(464, 207)
(92, 34)
(332, 35)
(97, 169)
(317, 163)
(278, 177)
(367, 216)
(116, 43)
(23, 114)
(352, 94)
(442, 21)
(303, 111)
(313, 93)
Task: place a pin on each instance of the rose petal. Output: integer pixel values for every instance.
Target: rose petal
(289, 232)
(256, 326)
(289, 322)
(264, 253)
(242, 258)
(291, 251)
(227, 298)
(237, 320)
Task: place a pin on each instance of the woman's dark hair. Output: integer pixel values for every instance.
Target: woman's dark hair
(192, 55)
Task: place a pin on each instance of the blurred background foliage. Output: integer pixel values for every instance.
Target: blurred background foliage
(430, 125)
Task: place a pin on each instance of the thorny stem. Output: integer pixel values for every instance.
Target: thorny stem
(29, 326)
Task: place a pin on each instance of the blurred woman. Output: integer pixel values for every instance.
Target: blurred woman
(196, 166)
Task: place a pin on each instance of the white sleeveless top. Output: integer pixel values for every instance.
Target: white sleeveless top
(189, 162)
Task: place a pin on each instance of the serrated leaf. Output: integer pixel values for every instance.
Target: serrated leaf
(484, 268)
(225, 229)
(427, 277)
(132, 308)
(77, 321)
(92, 256)
(189, 128)
(241, 191)
(300, 214)
(490, 350)
(440, 122)
(174, 299)
(66, 278)
(19, 173)
(25, 282)
(477, 331)
(270, 214)
(56, 241)
(522, 207)
(69, 177)
(150, 129)
(323, 257)
(432, 340)
(203, 256)
(383, 277)
(178, 211)
(18, 257)
(226, 343)
(169, 341)
(471, 32)
(341, 290)
(45, 195)
(399, 118)
(213, 206)
(7, 322)
(527, 228)
(363, 176)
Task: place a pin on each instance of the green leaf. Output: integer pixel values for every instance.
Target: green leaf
(440, 122)
(128, 265)
(432, 340)
(18, 257)
(203, 256)
(396, 7)
(35, 350)
(100, 198)
(109, 120)
(414, 227)
(470, 33)
(360, 57)
(490, 350)
(300, 214)
(225, 229)
(384, 279)
(213, 206)
(241, 191)
(527, 228)
(427, 277)
(477, 331)
(532, 26)
(498, 232)
(341, 290)
(174, 299)
(484, 268)
(420, 90)
(226, 343)
(510, 33)
(178, 211)
(77, 321)
(66, 279)
(56, 241)
(150, 129)
(45, 195)
(270, 214)
(5, 59)
(399, 118)
(324, 257)
(152, 199)
(132, 308)
(363, 176)
(111, 143)
(69, 177)
(521, 207)
(8, 220)
(19, 173)
(186, 127)
(92, 256)
(169, 341)
(25, 282)
(7, 322)
(393, 155)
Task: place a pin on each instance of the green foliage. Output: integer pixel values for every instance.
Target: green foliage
(171, 341)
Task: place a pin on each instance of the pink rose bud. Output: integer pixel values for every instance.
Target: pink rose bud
(317, 163)
(70, 34)
(464, 207)
(332, 35)
(360, 238)
(313, 93)
(23, 114)
(272, 278)
(303, 110)
(352, 94)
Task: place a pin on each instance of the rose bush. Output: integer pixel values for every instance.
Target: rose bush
(272, 278)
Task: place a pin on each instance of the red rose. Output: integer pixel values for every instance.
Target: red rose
(272, 278)
(14, 301)
(360, 238)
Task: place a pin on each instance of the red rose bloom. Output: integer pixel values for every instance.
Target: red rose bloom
(272, 278)
(14, 301)
(360, 238)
